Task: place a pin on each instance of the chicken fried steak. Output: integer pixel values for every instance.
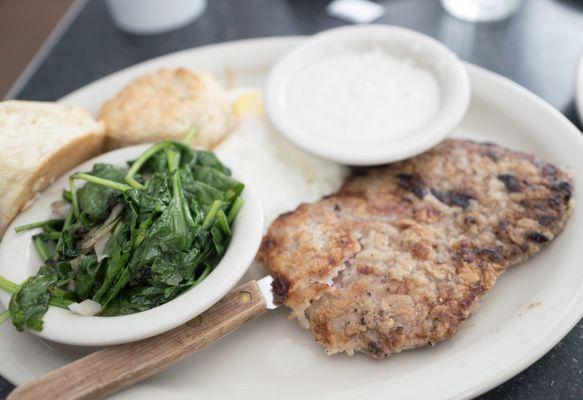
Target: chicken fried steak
(400, 256)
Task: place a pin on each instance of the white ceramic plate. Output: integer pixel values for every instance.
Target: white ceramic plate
(579, 88)
(66, 327)
(529, 310)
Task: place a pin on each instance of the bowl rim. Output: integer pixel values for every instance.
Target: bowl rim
(455, 95)
(63, 326)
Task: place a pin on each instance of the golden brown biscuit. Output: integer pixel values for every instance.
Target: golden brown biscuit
(164, 105)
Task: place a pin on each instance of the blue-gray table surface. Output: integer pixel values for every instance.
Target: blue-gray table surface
(538, 48)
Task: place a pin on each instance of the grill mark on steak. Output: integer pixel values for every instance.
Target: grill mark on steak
(511, 182)
(280, 287)
(546, 220)
(537, 237)
(413, 183)
(375, 348)
(492, 155)
(549, 171)
(490, 254)
(453, 198)
(564, 188)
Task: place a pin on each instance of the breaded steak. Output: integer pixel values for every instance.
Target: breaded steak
(401, 255)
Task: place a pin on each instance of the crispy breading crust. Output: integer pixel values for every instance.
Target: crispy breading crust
(402, 254)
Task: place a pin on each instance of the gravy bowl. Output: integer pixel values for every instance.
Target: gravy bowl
(317, 62)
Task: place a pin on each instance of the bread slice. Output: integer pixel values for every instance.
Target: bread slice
(40, 141)
(165, 104)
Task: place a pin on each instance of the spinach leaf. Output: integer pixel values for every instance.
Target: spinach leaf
(119, 246)
(218, 180)
(97, 200)
(89, 273)
(172, 231)
(175, 228)
(156, 196)
(146, 297)
(63, 272)
(200, 194)
(31, 301)
(156, 164)
(120, 305)
(208, 159)
(167, 270)
(173, 269)
(140, 298)
(50, 224)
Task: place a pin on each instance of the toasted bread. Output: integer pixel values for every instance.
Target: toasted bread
(39, 141)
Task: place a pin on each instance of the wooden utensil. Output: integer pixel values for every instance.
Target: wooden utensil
(109, 370)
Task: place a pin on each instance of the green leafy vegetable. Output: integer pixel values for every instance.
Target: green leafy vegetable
(88, 275)
(42, 248)
(4, 316)
(133, 238)
(96, 200)
(50, 224)
(31, 301)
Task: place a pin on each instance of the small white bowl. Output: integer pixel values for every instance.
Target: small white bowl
(19, 260)
(423, 50)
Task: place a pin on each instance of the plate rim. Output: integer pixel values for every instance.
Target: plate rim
(571, 313)
(579, 87)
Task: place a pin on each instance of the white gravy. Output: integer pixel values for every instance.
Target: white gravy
(363, 97)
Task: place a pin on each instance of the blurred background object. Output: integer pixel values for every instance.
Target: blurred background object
(579, 88)
(146, 17)
(481, 10)
(25, 27)
(356, 11)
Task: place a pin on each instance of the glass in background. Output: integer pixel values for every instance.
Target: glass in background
(146, 17)
(481, 10)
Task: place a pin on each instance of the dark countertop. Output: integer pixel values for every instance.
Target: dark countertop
(538, 48)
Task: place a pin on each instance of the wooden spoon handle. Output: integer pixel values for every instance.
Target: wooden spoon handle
(113, 368)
